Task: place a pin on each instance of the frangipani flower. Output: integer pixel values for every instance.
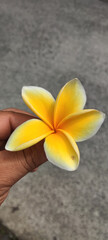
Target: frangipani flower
(64, 122)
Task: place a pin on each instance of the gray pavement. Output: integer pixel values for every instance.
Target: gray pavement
(47, 43)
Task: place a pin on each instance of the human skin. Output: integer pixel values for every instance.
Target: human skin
(15, 165)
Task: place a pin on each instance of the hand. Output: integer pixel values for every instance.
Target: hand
(15, 165)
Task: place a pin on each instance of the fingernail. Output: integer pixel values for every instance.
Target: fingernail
(34, 170)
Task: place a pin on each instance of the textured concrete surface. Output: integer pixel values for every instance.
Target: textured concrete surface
(47, 43)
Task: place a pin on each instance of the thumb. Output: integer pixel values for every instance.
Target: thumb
(8, 122)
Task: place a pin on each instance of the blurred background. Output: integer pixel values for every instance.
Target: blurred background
(47, 43)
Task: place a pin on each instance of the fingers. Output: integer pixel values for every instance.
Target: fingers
(2, 144)
(9, 120)
(16, 110)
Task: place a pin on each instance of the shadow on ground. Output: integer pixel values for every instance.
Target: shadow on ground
(6, 234)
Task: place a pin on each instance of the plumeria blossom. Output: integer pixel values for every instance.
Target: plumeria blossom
(62, 123)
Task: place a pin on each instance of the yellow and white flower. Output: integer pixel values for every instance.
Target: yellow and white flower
(64, 122)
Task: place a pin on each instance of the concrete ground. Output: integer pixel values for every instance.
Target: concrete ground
(47, 43)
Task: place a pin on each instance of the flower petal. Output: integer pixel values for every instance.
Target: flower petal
(71, 99)
(40, 101)
(27, 134)
(62, 151)
(84, 124)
